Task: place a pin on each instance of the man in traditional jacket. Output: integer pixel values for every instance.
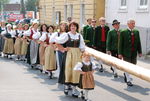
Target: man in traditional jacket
(90, 37)
(112, 42)
(129, 47)
(101, 37)
(89, 21)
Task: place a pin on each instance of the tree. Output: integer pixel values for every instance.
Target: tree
(22, 11)
(31, 5)
(3, 2)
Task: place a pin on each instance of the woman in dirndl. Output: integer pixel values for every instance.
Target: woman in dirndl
(86, 69)
(2, 40)
(18, 41)
(33, 49)
(75, 46)
(9, 41)
(50, 57)
(43, 31)
(60, 52)
(24, 42)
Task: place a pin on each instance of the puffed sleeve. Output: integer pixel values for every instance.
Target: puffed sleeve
(20, 34)
(52, 38)
(27, 33)
(36, 35)
(78, 66)
(43, 37)
(13, 33)
(3, 33)
(62, 38)
(94, 66)
(82, 43)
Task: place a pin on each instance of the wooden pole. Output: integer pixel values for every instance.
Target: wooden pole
(135, 70)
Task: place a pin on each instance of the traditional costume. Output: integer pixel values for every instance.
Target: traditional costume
(33, 48)
(86, 80)
(9, 41)
(75, 44)
(2, 40)
(129, 46)
(60, 57)
(18, 43)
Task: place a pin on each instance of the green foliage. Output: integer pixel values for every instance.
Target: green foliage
(31, 5)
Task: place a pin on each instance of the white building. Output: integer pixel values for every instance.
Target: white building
(139, 10)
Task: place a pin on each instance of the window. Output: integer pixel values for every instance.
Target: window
(82, 14)
(53, 15)
(143, 6)
(65, 13)
(123, 6)
(71, 11)
(123, 3)
(143, 2)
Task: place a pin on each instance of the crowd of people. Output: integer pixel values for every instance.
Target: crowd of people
(61, 51)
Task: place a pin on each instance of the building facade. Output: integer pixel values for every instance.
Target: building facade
(139, 10)
(54, 11)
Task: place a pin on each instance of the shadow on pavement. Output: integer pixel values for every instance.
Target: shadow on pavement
(116, 92)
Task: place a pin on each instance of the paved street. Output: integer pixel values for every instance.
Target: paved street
(19, 83)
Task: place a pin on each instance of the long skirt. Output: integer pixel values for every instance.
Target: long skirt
(61, 61)
(34, 48)
(24, 47)
(72, 58)
(17, 46)
(42, 53)
(87, 81)
(50, 59)
(9, 46)
(2, 41)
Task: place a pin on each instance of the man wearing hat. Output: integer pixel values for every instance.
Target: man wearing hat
(101, 37)
(129, 47)
(112, 42)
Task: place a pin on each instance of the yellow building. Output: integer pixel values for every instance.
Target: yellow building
(54, 11)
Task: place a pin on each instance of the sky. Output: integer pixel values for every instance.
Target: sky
(14, 1)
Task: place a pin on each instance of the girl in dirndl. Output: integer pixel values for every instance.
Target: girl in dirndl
(9, 41)
(24, 42)
(75, 46)
(50, 57)
(18, 41)
(86, 69)
(60, 52)
(32, 52)
(42, 39)
(2, 41)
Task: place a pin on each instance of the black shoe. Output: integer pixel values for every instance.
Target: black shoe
(51, 75)
(101, 69)
(75, 95)
(115, 75)
(129, 83)
(125, 78)
(112, 69)
(82, 95)
(66, 91)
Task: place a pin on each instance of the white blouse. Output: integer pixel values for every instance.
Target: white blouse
(36, 34)
(79, 65)
(55, 35)
(43, 36)
(63, 38)
(9, 31)
(20, 32)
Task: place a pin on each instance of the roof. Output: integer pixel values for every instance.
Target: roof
(12, 7)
